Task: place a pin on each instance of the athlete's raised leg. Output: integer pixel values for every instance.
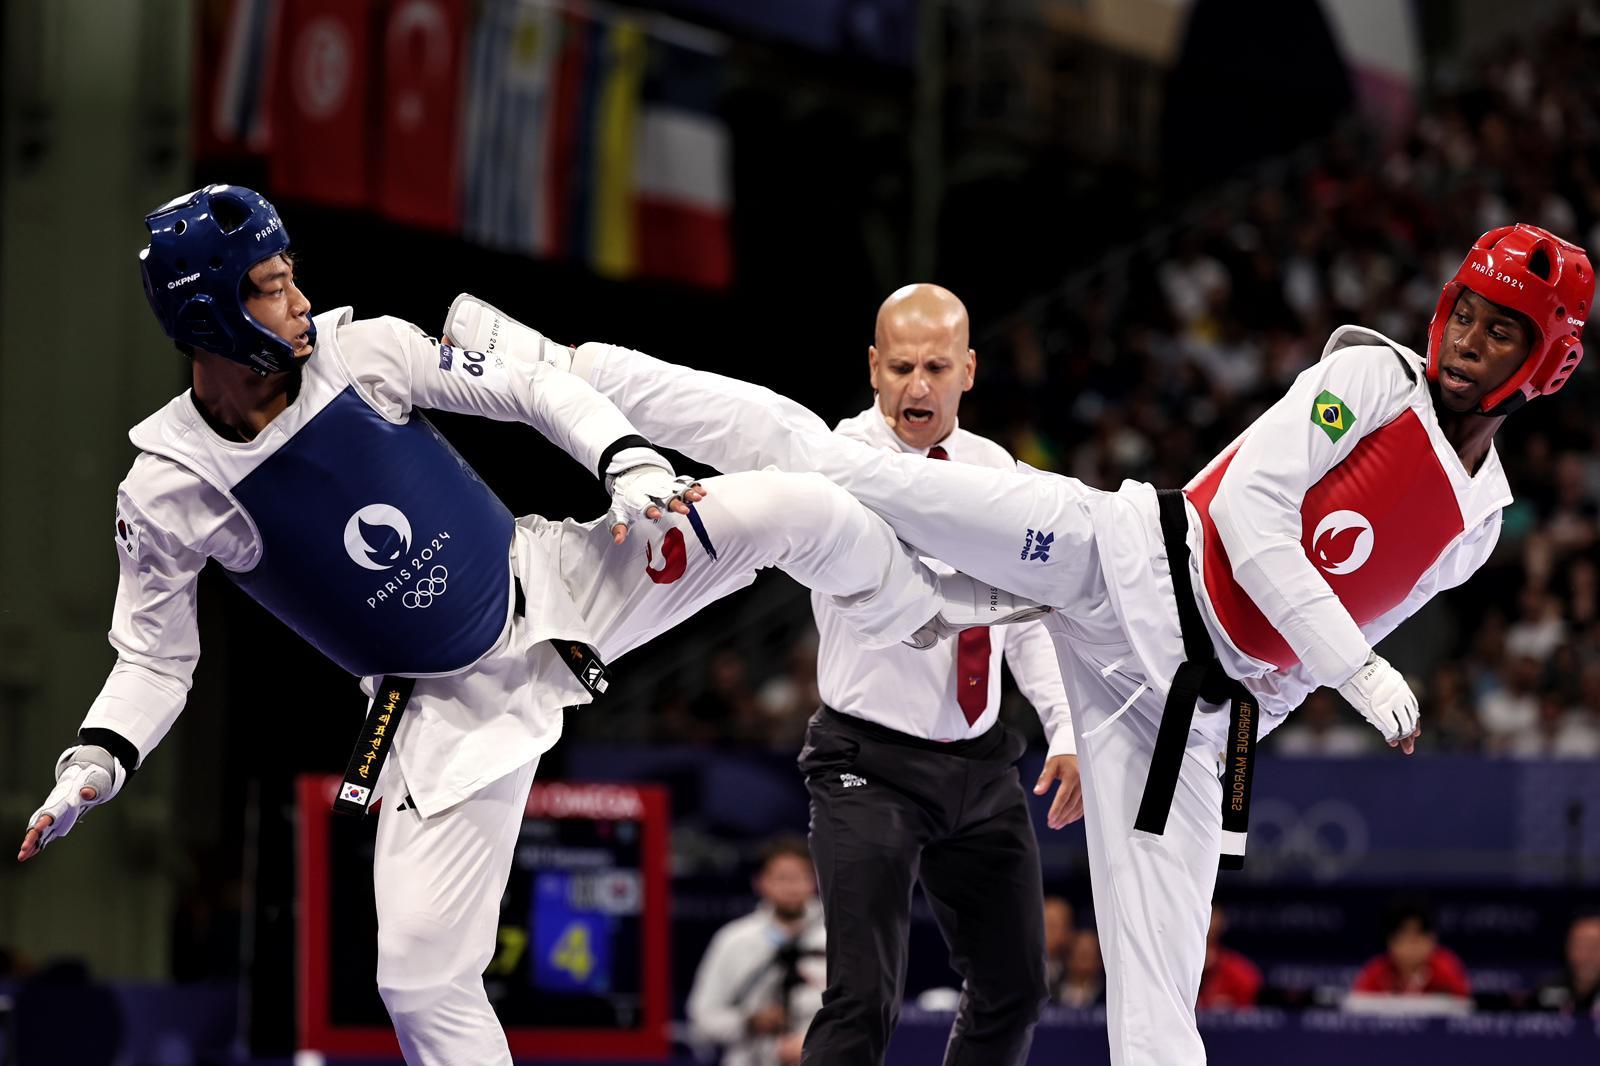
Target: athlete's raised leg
(1020, 529)
(801, 523)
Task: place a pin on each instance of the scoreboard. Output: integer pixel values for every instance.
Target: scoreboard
(580, 967)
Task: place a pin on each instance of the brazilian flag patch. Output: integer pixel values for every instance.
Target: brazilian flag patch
(1331, 415)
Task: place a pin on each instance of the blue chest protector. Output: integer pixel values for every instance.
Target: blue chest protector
(379, 544)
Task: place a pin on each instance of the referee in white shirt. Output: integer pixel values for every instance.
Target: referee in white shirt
(910, 771)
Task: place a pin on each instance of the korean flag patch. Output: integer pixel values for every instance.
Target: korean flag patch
(127, 535)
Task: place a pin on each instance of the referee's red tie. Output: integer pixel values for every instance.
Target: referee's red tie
(972, 655)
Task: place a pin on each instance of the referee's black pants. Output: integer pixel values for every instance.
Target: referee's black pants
(888, 810)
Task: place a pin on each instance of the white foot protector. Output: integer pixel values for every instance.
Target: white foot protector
(969, 603)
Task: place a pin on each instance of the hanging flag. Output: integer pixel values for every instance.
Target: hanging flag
(570, 188)
(510, 71)
(418, 163)
(613, 223)
(597, 141)
(683, 180)
(319, 149)
(234, 53)
(537, 43)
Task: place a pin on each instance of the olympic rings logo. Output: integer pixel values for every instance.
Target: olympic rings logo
(1326, 841)
(426, 589)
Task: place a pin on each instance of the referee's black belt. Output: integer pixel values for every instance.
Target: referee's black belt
(1200, 677)
(393, 693)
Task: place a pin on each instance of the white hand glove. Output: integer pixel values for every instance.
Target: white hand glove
(639, 479)
(1381, 694)
(82, 766)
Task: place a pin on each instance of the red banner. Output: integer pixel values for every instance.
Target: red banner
(419, 171)
(319, 106)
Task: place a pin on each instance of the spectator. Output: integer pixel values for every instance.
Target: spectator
(1452, 718)
(1588, 697)
(1512, 708)
(727, 708)
(1540, 630)
(761, 979)
(1413, 962)
(1084, 983)
(1576, 990)
(1558, 733)
(1058, 936)
(788, 700)
(1193, 283)
(1324, 726)
(674, 721)
(1230, 980)
(1583, 592)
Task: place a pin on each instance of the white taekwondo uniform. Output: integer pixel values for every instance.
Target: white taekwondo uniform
(466, 750)
(1309, 541)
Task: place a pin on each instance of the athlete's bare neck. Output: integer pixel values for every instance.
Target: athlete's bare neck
(232, 395)
(1469, 434)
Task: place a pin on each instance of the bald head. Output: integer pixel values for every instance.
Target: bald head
(920, 362)
(922, 310)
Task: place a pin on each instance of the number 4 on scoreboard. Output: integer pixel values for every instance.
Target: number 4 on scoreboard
(574, 952)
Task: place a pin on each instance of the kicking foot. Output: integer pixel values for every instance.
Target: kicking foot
(969, 603)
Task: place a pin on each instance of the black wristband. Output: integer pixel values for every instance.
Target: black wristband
(632, 440)
(115, 743)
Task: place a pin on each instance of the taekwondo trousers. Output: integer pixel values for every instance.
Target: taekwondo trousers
(1152, 894)
(438, 880)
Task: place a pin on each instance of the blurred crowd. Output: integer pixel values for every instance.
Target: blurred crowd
(1411, 963)
(1148, 365)
(1156, 363)
(760, 981)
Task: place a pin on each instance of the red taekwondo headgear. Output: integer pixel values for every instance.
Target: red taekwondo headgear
(1547, 279)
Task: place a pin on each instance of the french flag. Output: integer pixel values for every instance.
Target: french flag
(682, 175)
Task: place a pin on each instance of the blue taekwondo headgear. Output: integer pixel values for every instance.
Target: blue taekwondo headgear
(201, 247)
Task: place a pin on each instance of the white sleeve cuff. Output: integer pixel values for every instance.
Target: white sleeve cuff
(1058, 728)
(138, 704)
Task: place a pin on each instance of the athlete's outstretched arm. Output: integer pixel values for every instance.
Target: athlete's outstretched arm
(1024, 532)
(399, 367)
(154, 632)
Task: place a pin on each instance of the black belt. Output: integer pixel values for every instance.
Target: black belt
(394, 693)
(1199, 677)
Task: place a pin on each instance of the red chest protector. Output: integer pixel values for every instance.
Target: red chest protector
(1372, 527)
